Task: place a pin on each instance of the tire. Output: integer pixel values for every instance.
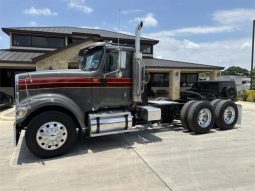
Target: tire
(184, 114)
(229, 92)
(201, 117)
(226, 123)
(43, 127)
(214, 103)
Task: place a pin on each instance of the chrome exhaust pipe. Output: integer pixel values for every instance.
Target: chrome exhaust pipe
(138, 67)
(137, 37)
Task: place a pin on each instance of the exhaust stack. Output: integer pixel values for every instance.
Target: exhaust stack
(138, 68)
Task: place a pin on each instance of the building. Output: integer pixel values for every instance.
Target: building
(50, 48)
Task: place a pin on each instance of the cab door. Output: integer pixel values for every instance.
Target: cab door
(116, 83)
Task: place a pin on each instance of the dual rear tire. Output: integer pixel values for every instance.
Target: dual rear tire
(201, 116)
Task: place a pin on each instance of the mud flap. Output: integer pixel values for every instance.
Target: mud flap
(16, 134)
(240, 110)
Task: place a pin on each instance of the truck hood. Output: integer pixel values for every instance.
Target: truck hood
(55, 74)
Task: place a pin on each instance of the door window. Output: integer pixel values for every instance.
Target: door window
(112, 62)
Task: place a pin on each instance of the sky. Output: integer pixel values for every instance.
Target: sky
(215, 32)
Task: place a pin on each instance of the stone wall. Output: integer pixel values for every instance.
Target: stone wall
(61, 59)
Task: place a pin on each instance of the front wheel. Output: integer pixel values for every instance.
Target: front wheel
(50, 134)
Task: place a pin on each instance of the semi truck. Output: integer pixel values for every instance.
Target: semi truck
(106, 96)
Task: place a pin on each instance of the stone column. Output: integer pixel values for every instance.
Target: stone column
(214, 75)
(174, 84)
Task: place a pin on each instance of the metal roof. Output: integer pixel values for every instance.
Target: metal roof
(161, 63)
(22, 56)
(26, 56)
(76, 31)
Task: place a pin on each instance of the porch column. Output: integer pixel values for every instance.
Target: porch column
(174, 84)
(214, 75)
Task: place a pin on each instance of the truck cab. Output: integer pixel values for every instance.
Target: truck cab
(110, 67)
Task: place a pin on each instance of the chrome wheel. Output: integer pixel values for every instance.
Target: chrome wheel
(204, 118)
(51, 135)
(229, 115)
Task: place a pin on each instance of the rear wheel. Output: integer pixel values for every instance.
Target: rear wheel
(214, 103)
(226, 114)
(201, 117)
(50, 134)
(184, 114)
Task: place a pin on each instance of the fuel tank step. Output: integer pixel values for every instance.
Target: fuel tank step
(108, 121)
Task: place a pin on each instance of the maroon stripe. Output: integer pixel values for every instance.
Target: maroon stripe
(38, 83)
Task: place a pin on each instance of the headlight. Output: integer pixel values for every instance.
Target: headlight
(21, 112)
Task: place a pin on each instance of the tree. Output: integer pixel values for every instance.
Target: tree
(236, 71)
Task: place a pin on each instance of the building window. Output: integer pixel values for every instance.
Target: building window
(21, 40)
(37, 41)
(188, 79)
(73, 65)
(159, 80)
(56, 42)
(7, 76)
(146, 49)
(74, 40)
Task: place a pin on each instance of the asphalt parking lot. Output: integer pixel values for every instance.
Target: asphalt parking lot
(162, 159)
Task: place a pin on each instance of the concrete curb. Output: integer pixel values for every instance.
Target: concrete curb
(15, 155)
(6, 118)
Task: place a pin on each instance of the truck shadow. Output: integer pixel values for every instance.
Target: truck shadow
(102, 143)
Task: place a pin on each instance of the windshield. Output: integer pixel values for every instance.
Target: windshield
(91, 59)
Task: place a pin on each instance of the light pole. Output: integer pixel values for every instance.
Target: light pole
(252, 51)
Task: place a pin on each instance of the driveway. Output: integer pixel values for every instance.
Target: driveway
(161, 159)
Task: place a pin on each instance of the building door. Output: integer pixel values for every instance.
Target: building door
(116, 86)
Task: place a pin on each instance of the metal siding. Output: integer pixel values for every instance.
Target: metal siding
(18, 56)
(70, 30)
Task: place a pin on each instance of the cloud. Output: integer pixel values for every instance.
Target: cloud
(90, 27)
(33, 23)
(234, 16)
(36, 12)
(233, 52)
(148, 20)
(80, 5)
(130, 11)
(194, 30)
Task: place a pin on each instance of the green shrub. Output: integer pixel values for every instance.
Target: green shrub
(242, 95)
(250, 95)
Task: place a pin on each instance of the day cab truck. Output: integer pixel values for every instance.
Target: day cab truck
(106, 96)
